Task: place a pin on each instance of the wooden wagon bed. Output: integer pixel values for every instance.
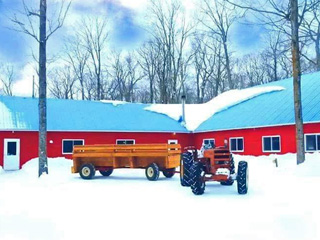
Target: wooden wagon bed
(108, 157)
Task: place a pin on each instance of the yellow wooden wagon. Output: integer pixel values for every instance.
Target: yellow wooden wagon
(104, 158)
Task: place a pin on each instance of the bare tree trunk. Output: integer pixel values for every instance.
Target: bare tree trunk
(226, 53)
(26, 25)
(297, 80)
(82, 90)
(289, 13)
(198, 87)
(275, 67)
(43, 164)
(318, 49)
(151, 90)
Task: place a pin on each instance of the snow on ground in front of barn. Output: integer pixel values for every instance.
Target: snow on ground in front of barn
(282, 203)
(198, 113)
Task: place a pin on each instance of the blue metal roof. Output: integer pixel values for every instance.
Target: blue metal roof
(19, 113)
(275, 108)
(268, 109)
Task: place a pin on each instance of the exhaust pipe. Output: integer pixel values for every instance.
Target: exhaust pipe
(183, 99)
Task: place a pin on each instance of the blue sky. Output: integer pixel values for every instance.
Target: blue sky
(14, 46)
(127, 18)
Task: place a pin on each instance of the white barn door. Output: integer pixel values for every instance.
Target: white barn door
(11, 158)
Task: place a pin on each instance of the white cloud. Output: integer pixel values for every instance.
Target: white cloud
(23, 86)
(133, 4)
(136, 4)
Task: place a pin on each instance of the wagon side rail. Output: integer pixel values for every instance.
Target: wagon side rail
(152, 150)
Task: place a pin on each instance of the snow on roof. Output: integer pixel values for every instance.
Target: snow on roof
(198, 113)
(114, 102)
(266, 105)
(20, 113)
(272, 109)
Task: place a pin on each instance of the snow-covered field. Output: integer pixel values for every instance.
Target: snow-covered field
(282, 203)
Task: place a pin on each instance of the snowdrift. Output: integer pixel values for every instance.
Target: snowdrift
(59, 167)
(59, 170)
(286, 164)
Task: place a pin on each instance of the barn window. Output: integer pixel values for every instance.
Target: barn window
(209, 142)
(236, 144)
(125, 141)
(67, 145)
(173, 141)
(12, 148)
(312, 142)
(271, 144)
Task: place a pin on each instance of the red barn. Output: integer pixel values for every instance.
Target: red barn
(73, 122)
(265, 124)
(258, 125)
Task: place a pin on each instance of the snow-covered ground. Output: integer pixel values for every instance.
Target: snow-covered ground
(282, 203)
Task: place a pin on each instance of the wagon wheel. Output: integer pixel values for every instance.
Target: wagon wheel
(106, 173)
(87, 171)
(152, 172)
(168, 173)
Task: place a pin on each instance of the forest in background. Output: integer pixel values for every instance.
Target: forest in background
(183, 55)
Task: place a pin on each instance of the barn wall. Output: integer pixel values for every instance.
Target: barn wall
(29, 141)
(28, 145)
(253, 137)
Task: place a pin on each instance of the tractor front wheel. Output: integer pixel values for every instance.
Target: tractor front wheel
(87, 171)
(243, 177)
(169, 173)
(229, 182)
(106, 173)
(198, 183)
(152, 172)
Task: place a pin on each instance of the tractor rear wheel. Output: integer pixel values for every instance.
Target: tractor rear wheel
(87, 171)
(185, 165)
(106, 173)
(168, 173)
(230, 181)
(152, 172)
(243, 177)
(198, 183)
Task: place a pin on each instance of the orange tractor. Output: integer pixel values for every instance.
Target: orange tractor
(215, 164)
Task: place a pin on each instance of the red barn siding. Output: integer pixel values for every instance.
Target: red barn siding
(29, 141)
(253, 137)
(28, 145)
